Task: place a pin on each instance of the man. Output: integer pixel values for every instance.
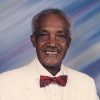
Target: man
(46, 78)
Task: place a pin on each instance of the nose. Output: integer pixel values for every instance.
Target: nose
(52, 42)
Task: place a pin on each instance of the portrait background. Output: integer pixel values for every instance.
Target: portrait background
(15, 29)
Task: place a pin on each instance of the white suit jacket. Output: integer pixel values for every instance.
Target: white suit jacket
(23, 84)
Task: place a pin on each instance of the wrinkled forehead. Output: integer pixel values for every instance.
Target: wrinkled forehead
(54, 21)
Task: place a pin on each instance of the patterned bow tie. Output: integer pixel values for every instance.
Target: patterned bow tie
(46, 80)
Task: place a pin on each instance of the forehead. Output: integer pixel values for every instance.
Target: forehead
(53, 21)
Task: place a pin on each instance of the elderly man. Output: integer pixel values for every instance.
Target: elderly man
(46, 78)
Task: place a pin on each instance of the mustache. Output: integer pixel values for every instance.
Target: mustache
(52, 49)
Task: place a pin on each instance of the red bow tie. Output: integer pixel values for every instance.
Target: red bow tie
(46, 80)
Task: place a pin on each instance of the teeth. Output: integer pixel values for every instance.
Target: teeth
(52, 53)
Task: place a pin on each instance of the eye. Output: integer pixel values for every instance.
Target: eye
(43, 35)
(61, 36)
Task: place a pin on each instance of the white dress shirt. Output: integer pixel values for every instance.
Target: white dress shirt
(52, 91)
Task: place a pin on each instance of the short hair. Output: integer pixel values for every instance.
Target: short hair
(36, 19)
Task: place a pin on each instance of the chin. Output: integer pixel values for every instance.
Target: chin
(51, 63)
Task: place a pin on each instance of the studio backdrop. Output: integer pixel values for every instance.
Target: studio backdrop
(15, 29)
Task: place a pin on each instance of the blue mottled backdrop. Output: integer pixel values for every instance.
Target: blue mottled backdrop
(15, 29)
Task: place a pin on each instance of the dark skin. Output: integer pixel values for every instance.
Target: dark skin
(52, 42)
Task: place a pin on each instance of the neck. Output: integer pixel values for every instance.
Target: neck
(53, 69)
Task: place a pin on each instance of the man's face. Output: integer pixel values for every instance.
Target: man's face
(52, 41)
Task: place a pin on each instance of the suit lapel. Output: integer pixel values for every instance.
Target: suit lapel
(72, 89)
(32, 87)
(67, 89)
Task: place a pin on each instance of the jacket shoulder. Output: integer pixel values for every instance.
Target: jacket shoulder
(81, 82)
(76, 75)
(16, 73)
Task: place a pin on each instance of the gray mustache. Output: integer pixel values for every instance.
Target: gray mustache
(52, 49)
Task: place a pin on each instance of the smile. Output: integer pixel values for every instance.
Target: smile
(51, 53)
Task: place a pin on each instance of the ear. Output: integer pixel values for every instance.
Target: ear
(33, 40)
(69, 41)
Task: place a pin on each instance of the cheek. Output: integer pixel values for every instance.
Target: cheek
(41, 42)
(39, 47)
(64, 46)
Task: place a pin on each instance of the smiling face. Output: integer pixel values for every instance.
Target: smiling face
(52, 41)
